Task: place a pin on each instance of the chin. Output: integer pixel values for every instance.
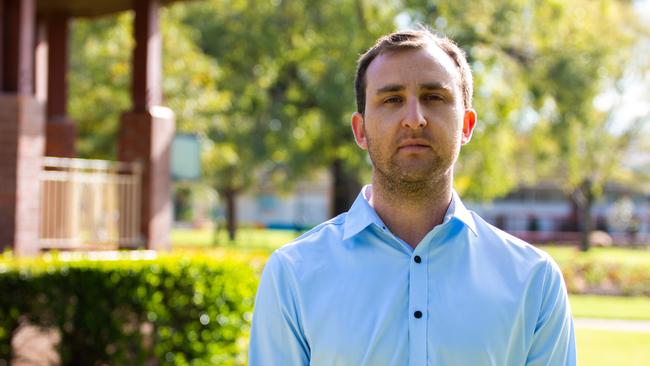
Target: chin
(416, 177)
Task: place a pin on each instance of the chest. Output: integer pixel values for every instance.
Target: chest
(368, 316)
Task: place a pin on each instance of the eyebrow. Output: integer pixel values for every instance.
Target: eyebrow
(434, 86)
(391, 88)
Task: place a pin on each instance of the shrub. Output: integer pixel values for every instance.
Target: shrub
(597, 276)
(172, 310)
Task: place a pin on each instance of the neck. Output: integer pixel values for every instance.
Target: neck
(411, 209)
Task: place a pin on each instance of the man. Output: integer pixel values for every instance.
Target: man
(409, 276)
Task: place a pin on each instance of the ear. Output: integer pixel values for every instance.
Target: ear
(469, 121)
(359, 131)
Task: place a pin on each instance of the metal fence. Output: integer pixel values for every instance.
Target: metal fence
(90, 204)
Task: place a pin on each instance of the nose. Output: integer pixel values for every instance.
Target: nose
(414, 118)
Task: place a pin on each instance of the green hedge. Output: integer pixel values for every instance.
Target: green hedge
(171, 310)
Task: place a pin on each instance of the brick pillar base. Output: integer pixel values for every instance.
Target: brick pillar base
(21, 151)
(60, 137)
(147, 137)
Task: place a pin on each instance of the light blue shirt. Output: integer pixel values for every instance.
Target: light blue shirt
(351, 293)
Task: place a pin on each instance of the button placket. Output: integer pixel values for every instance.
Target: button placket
(418, 295)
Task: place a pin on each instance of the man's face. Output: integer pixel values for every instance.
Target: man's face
(415, 121)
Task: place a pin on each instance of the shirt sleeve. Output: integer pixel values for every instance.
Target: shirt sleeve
(554, 338)
(276, 333)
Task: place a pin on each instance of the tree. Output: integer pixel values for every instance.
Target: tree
(538, 66)
(99, 77)
(290, 66)
(570, 71)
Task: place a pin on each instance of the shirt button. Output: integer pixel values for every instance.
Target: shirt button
(417, 314)
(417, 259)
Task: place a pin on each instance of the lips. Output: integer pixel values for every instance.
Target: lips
(414, 145)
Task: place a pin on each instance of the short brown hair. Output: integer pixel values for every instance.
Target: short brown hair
(413, 39)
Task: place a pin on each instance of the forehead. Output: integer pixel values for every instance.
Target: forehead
(422, 65)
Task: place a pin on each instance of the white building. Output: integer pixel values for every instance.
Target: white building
(541, 213)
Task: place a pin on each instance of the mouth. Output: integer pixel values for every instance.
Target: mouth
(414, 146)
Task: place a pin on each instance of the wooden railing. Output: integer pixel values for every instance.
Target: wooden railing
(89, 204)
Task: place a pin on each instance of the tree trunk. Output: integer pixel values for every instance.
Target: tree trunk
(231, 213)
(345, 188)
(584, 199)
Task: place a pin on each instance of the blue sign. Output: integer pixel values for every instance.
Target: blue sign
(186, 158)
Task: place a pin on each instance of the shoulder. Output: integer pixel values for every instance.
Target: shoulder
(510, 249)
(314, 243)
(521, 266)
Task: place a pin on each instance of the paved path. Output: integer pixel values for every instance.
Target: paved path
(613, 324)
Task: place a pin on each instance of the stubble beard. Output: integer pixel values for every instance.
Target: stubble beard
(413, 181)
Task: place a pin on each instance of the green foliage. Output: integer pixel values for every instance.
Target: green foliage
(572, 67)
(291, 67)
(100, 76)
(269, 86)
(616, 271)
(177, 310)
(538, 66)
(593, 275)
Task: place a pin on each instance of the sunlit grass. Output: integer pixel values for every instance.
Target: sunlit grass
(246, 239)
(610, 307)
(607, 348)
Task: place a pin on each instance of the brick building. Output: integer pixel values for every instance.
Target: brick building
(34, 36)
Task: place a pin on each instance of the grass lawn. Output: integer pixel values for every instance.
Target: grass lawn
(610, 307)
(247, 239)
(607, 348)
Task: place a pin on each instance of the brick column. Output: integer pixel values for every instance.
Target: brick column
(60, 129)
(18, 22)
(2, 21)
(146, 137)
(21, 151)
(147, 131)
(21, 131)
(145, 84)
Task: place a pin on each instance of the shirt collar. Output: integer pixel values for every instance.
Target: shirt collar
(361, 214)
(458, 211)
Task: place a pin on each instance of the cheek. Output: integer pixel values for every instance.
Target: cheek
(377, 129)
(384, 117)
(377, 142)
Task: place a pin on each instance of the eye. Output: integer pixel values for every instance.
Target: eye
(433, 97)
(393, 99)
